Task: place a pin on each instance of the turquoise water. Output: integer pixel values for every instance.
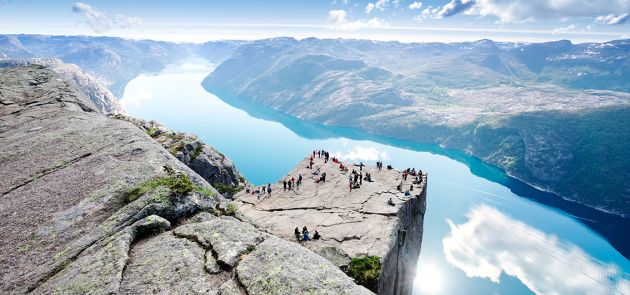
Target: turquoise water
(484, 233)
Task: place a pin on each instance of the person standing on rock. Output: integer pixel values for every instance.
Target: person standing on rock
(269, 189)
(284, 184)
(350, 182)
(299, 181)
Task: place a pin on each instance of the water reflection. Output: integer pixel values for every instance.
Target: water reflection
(490, 243)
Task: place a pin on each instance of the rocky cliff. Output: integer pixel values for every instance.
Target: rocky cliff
(100, 96)
(354, 224)
(209, 163)
(94, 205)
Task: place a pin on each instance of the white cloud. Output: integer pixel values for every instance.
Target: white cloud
(100, 22)
(561, 30)
(360, 153)
(613, 19)
(415, 5)
(519, 11)
(338, 19)
(380, 5)
(369, 7)
(491, 243)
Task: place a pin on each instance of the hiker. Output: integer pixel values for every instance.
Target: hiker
(389, 167)
(360, 178)
(323, 177)
(293, 181)
(284, 184)
(407, 193)
(361, 166)
(399, 186)
(297, 234)
(269, 189)
(289, 184)
(390, 202)
(299, 181)
(316, 236)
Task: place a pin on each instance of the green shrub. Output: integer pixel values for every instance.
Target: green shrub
(179, 184)
(366, 271)
(231, 209)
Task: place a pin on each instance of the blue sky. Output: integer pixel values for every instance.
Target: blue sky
(406, 21)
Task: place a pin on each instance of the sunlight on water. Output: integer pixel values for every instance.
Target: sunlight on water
(429, 279)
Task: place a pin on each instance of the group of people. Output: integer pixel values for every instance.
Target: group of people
(258, 190)
(417, 180)
(304, 235)
(322, 154)
(292, 183)
(412, 172)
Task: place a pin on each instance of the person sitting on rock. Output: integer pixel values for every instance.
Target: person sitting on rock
(407, 193)
(391, 202)
(305, 236)
(399, 187)
(316, 236)
(323, 178)
(297, 234)
(389, 167)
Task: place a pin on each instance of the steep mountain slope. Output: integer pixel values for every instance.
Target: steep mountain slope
(93, 205)
(539, 111)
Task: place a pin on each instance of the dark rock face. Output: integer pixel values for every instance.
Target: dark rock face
(69, 225)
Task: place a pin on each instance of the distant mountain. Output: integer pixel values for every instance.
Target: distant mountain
(112, 61)
(553, 114)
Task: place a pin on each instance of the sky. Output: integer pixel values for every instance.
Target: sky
(399, 20)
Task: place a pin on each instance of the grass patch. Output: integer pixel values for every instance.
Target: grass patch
(226, 189)
(231, 209)
(366, 271)
(206, 192)
(153, 132)
(196, 152)
(178, 183)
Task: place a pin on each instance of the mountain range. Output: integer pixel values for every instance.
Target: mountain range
(555, 115)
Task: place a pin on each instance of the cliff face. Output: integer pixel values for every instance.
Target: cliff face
(102, 98)
(92, 204)
(353, 224)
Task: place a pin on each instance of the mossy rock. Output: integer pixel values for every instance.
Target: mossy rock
(366, 270)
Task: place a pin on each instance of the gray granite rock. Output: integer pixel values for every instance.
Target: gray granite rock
(227, 237)
(279, 267)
